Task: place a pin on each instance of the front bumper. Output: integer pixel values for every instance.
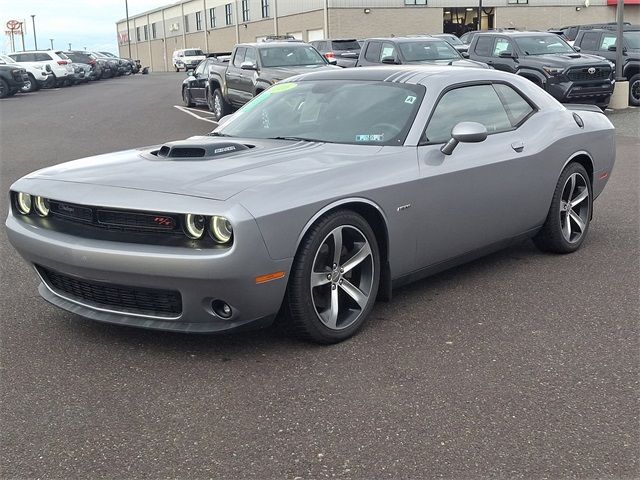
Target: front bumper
(566, 91)
(199, 275)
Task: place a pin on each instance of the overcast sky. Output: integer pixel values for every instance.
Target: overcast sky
(88, 23)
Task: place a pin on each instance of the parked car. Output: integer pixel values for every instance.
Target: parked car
(38, 74)
(254, 68)
(57, 63)
(187, 58)
(110, 66)
(454, 41)
(80, 56)
(80, 73)
(12, 79)
(549, 62)
(344, 51)
(271, 212)
(412, 50)
(127, 66)
(571, 32)
(603, 42)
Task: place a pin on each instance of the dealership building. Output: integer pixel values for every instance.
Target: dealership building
(217, 25)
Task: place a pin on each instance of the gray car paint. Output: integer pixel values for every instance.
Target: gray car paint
(435, 207)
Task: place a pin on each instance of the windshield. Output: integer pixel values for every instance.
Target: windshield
(632, 39)
(336, 111)
(5, 59)
(451, 39)
(291, 56)
(425, 51)
(543, 44)
(193, 53)
(345, 45)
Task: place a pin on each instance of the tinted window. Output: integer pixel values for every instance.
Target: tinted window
(373, 52)
(193, 53)
(517, 108)
(43, 57)
(345, 45)
(632, 39)
(373, 113)
(502, 45)
(590, 41)
(479, 103)
(239, 57)
(291, 56)
(483, 46)
(425, 51)
(543, 44)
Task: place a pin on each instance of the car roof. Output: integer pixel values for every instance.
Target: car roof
(271, 44)
(420, 38)
(518, 33)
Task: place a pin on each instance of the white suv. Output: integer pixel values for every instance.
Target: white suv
(187, 58)
(56, 63)
(38, 75)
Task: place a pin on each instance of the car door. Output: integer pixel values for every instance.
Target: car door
(607, 40)
(198, 81)
(248, 79)
(501, 48)
(234, 76)
(483, 193)
(482, 50)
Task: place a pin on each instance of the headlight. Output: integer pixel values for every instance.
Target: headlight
(23, 202)
(221, 229)
(194, 226)
(41, 206)
(552, 71)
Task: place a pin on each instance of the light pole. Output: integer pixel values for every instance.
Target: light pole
(69, 47)
(51, 40)
(479, 15)
(126, 8)
(35, 40)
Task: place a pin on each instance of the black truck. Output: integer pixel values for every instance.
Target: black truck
(253, 68)
(548, 61)
(12, 79)
(603, 42)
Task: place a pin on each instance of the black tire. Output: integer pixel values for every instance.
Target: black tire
(177, 69)
(634, 90)
(553, 235)
(31, 85)
(51, 81)
(301, 304)
(4, 89)
(186, 97)
(219, 106)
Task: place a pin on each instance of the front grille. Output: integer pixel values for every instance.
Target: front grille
(581, 74)
(19, 75)
(120, 298)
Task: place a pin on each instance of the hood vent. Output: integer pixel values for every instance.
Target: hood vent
(199, 149)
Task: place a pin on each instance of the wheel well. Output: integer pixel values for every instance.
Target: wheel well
(213, 85)
(631, 71)
(586, 162)
(531, 78)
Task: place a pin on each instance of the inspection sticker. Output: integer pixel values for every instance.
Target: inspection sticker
(370, 138)
(410, 100)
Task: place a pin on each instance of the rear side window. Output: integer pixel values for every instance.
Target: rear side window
(345, 45)
(502, 45)
(607, 41)
(517, 108)
(477, 103)
(590, 41)
(483, 46)
(43, 57)
(388, 50)
(373, 52)
(239, 57)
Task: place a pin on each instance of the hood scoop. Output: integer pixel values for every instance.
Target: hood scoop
(189, 149)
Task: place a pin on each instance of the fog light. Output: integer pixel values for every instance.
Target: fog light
(221, 309)
(24, 203)
(42, 206)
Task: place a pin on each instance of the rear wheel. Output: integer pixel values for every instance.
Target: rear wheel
(634, 90)
(568, 219)
(218, 105)
(334, 279)
(186, 97)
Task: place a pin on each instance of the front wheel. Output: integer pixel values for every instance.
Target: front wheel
(334, 279)
(30, 85)
(568, 219)
(634, 90)
(186, 97)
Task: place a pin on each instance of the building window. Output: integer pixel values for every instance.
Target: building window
(145, 29)
(153, 30)
(265, 8)
(138, 34)
(212, 17)
(198, 20)
(228, 14)
(415, 2)
(245, 10)
(186, 23)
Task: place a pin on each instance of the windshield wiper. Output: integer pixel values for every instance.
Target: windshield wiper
(216, 134)
(300, 139)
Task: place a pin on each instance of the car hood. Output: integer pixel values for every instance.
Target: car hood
(569, 59)
(454, 62)
(217, 177)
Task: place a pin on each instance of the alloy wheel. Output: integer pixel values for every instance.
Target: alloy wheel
(574, 208)
(635, 90)
(217, 105)
(342, 277)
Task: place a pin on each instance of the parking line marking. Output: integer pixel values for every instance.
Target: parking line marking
(184, 109)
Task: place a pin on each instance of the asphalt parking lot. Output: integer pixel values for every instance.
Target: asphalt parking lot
(518, 365)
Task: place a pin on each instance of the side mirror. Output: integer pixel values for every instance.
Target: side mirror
(225, 119)
(577, 49)
(389, 61)
(464, 54)
(333, 61)
(506, 54)
(612, 48)
(465, 132)
(190, 72)
(249, 66)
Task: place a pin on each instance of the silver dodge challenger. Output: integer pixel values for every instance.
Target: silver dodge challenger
(315, 199)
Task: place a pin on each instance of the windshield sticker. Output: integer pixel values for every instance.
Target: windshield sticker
(255, 101)
(370, 138)
(410, 100)
(282, 87)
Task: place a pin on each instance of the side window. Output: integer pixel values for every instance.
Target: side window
(388, 50)
(607, 41)
(483, 46)
(517, 108)
(477, 103)
(590, 41)
(239, 57)
(502, 45)
(42, 57)
(250, 56)
(201, 66)
(373, 52)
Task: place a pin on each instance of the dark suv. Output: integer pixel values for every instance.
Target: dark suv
(412, 51)
(603, 42)
(12, 79)
(548, 61)
(343, 51)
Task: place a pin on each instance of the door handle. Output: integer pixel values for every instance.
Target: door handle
(518, 146)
